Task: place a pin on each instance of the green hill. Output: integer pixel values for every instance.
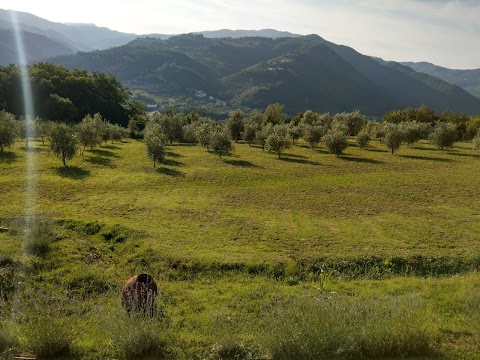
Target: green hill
(302, 72)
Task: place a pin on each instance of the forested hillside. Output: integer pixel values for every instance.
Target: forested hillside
(250, 72)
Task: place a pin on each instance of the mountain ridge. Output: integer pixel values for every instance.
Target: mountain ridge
(468, 79)
(245, 73)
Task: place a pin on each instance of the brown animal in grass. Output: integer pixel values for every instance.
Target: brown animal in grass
(139, 294)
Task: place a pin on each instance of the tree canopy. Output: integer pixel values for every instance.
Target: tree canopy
(67, 95)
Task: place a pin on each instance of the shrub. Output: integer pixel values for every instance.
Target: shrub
(39, 234)
(48, 336)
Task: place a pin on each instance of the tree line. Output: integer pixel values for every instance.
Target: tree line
(67, 95)
(269, 130)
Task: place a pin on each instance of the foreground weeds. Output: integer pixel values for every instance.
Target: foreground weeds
(326, 327)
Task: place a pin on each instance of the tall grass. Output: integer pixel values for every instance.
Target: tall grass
(39, 234)
(326, 327)
(137, 335)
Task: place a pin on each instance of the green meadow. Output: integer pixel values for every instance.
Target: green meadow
(367, 255)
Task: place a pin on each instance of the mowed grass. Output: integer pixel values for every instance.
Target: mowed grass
(238, 246)
(253, 207)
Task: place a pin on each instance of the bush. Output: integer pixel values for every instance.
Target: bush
(39, 234)
(48, 336)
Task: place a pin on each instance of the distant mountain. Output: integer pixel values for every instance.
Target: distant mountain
(83, 37)
(88, 37)
(39, 47)
(305, 72)
(466, 79)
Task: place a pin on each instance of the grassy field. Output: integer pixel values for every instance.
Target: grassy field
(366, 255)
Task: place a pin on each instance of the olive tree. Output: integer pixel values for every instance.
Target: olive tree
(155, 140)
(278, 140)
(336, 141)
(262, 134)
(363, 138)
(220, 142)
(274, 114)
(204, 132)
(172, 126)
(444, 135)
(8, 130)
(235, 125)
(312, 134)
(393, 136)
(63, 142)
(89, 132)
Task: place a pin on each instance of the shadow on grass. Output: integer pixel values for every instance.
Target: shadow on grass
(241, 163)
(477, 156)
(98, 160)
(361, 160)
(171, 162)
(111, 147)
(294, 156)
(174, 155)
(299, 161)
(103, 153)
(170, 172)
(376, 150)
(418, 147)
(73, 172)
(31, 149)
(429, 158)
(181, 144)
(8, 157)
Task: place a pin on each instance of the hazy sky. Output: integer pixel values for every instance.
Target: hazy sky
(444, 32)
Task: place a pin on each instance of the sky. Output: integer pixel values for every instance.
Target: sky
(443, 32)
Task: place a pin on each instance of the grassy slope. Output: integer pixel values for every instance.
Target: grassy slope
(249, 208)
(253, 207)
